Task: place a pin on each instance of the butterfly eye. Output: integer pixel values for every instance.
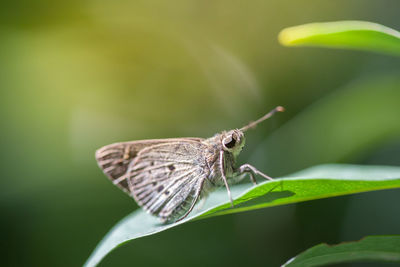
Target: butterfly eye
(231, 144)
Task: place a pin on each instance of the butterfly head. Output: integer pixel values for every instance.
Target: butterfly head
(233, 141)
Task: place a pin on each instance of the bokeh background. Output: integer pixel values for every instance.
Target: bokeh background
(77, 75)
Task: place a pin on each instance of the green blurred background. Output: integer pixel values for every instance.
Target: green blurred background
(77, 75)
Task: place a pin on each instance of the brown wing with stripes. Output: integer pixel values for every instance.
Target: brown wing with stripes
(166, 179)
(114, 159)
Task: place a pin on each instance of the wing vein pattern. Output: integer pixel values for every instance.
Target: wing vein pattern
(163, 176)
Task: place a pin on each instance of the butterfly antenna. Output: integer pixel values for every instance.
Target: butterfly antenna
(263, 118)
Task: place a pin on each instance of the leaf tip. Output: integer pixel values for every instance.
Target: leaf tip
(290, 36)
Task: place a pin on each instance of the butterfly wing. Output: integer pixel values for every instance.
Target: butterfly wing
(114, 159)
(164, 176)
(166, 179)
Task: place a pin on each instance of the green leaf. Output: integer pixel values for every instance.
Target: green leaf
(370, 248)
(317, 182)
(361, 35)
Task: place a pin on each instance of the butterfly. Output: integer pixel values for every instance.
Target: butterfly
(167, 177)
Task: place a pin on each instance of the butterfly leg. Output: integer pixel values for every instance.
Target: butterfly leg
(243, 173)
(251, 170)
(252, 178)
(221, 165)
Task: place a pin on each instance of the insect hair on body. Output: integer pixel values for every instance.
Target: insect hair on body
(167, 177)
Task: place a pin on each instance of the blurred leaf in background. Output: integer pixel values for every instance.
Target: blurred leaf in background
(358, 35)
(81, 74)
(375, 249)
